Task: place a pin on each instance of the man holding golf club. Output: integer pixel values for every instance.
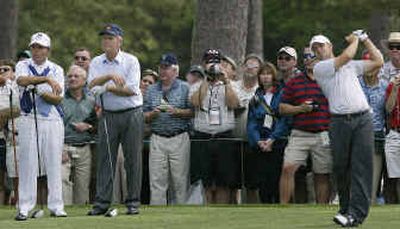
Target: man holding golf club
(114, 77)
(41, 127)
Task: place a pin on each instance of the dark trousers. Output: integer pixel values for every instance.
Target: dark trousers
(352, 142)
(125, 128)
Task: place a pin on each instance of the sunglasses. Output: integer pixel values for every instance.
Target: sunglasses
(82, 58)
(251, 66)
(4, 69)
(287, 58)
(394, 46)
(308, 56)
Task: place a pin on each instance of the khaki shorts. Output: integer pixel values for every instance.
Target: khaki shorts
(302, 143)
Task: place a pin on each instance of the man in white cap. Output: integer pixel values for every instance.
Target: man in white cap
(392, 67)
(351, 131)
(41, 127)
(287, 63)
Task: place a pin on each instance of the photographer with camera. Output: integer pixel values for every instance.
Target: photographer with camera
(213, 157)
(168, 110)
(303, 100)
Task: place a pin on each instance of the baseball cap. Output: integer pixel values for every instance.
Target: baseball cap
(319, 39)
(289, 50)
(212, 56)
(168, 59)
(149, 72)
(112, 29)
(198, 69)
(41, 39)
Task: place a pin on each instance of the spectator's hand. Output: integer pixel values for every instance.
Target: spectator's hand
(268, 145)
(118, 80)
(82, 126)
(65, 157)
(55, 86)
(306, 107)
(224, 77)
(396, 81)
(155, 113)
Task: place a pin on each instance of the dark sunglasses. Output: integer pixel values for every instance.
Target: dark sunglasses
(308, 56)
(4, 69)
(287, 58)
(394, 46)
(73, 76)
(83, 58)
(147, 81)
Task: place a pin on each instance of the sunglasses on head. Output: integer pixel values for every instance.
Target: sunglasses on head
(308, 56)
(4, 69)
(82, 58)
(287, 58)
(394, 46)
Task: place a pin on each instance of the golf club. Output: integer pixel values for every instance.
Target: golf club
(111, 212)
(39, 212)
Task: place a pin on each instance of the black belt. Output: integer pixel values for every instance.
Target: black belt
(170, 135)
(123, 110)
(349, 116)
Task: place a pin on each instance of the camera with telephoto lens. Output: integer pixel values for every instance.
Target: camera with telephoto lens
(313, 104)
(214, 72)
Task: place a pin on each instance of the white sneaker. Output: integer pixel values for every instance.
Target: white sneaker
(340, 219)
(60, 213)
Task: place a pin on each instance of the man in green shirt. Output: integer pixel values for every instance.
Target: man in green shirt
(79, 121)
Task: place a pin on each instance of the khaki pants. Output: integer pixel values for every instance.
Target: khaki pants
(169, 168)
(76, 174)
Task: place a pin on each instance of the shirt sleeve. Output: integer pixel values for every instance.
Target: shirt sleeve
(133, 77)
(21, 69)
(287, 94)
(324, 68)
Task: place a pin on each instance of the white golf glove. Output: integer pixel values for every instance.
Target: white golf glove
(361, 34)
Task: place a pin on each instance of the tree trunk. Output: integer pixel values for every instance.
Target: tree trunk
(8, 28)
(220, 24)
(379, 27)
(255, 28)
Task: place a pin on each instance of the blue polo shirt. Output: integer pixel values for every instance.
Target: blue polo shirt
(177, 96)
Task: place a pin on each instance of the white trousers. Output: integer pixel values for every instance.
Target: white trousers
(51, 138)
(169, 163)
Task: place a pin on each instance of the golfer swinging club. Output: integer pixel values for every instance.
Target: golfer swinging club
(114, 78)
(40, 147)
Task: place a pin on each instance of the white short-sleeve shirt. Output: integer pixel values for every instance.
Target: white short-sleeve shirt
(341, 86)
(56, 73)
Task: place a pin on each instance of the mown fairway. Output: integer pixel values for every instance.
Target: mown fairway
(188, 217)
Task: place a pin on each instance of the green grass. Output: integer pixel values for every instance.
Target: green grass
(188, 217)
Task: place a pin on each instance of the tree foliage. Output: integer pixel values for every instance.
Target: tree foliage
(153, 27)
(150, 27)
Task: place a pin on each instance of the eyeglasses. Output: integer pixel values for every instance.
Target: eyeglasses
(394, 46)
(82, 58)
(4, 69)
(308, 56)
(287, 58)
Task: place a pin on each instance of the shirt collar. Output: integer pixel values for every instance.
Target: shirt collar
(117, 59)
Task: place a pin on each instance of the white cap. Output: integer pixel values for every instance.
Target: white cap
(40, 38)
(319, 39)
(289, 50)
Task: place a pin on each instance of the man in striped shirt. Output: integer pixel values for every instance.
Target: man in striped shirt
(168, 110)
(303, 99)
(351, 131)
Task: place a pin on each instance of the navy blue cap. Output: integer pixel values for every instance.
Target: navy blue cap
(112, 29)
(212, 56)
(168, 59)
